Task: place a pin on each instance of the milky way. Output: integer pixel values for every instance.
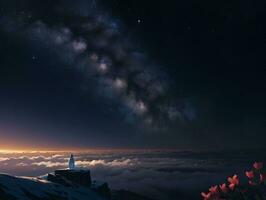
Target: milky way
(97, 45)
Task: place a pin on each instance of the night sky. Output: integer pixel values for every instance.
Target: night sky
(143, 74)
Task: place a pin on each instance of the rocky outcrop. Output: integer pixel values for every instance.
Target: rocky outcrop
(60, 185)
(75, 178)
(59, 180)
(16, 188)
(71, 177)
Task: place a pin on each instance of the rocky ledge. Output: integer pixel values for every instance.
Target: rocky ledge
(60, 185)
(71, 177)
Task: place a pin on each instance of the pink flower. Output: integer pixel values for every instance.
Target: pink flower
(214, 189)
(258, 165)
(233, 181)
(206, 196)
(262, 177)
(223, 188)
(250, 174)
(232, 186)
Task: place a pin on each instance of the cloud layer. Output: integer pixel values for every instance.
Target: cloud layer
(158, 174)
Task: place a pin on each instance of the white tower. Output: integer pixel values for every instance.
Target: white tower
(71, 163)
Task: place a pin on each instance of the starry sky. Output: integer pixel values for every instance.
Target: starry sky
(133, 74)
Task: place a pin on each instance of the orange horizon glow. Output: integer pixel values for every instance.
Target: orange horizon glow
(77, 150)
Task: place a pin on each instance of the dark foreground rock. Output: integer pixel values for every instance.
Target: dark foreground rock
(61, 185)
(79, 177)
(16, 188)
(71, 177)
(102, 189)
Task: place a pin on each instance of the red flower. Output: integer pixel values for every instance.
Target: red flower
(258, 165)
(214, 189)
(223, 188)
(250, 174)
(206, 196)
(262, 177)
(233, 181)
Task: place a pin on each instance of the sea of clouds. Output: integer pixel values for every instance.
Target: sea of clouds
(154, 173)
